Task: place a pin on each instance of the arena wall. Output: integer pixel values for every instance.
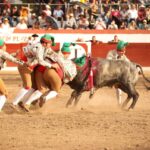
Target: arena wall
(138, 49)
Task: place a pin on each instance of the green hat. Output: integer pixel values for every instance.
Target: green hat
(1, 43)
(48, 38)
(66, 44)
(121, 45)
(65, 50)
(80, 61)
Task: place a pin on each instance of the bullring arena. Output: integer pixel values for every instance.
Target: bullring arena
(96, 124)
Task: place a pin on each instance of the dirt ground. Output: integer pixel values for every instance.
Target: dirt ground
(97, 124)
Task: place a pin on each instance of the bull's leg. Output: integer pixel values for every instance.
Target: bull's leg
(135, 98)
(73, 95)
(134, 94)
(77, 98)
(92, 92)
(126, 102)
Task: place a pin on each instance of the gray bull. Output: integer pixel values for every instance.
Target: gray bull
(110, 73)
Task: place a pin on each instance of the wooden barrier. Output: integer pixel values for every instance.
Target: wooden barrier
(137, 52)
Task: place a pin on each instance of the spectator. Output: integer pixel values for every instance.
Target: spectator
(70, 22)
(113, 25)
(24, 12)
(14, 15)
(132, 13)
(132, 25)
(31, 20)
(141, 15)
(36, 25)
(42, 20)
(83, 23)
(144, 25)
(22, 24)
(5, 24)
(123, 25)
(48, 10)
(100, 24)
(58, 15)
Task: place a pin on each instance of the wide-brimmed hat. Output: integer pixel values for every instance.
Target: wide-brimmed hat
(121, 45)
(48, 38)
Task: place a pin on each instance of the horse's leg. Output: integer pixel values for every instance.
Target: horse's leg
(73, 95)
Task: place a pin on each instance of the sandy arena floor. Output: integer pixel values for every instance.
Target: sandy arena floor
(96, 124)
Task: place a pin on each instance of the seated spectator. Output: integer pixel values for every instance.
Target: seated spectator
(144, 25)
(5, 24)
(123, 25)
(22, 24)
(31, 20)
(132, 25)
(70, 22)
(83, 23)
(36, 25)
(100, 24)
(114, 40)
(42, 20)
(113, 25)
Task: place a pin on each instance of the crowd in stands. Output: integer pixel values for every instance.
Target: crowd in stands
(96, 14)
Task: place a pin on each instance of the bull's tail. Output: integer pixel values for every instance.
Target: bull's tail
(141, 72)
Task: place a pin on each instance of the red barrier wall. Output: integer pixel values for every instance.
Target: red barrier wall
(137, 52)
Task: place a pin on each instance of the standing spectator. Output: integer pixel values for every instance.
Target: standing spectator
(42, 20)
(58, 15)
(132, 13)
(48, 10)
(116, 16)
(14, 15)
(24, 12)
(141, 15)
